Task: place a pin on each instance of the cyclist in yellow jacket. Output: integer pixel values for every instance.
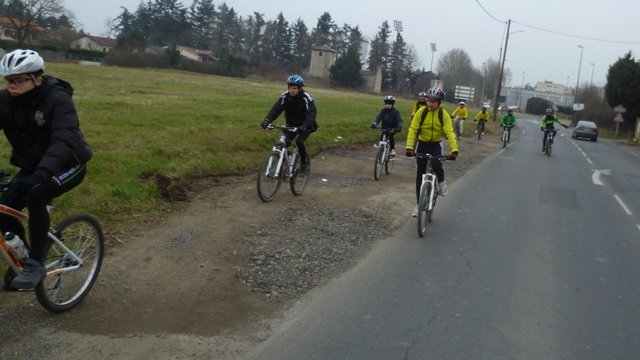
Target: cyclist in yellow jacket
(425, 137)
(461, 114)
(422, 101)
(481, 118)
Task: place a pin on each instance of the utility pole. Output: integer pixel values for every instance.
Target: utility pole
(496, 96)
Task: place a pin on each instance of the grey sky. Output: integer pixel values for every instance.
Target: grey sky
(547, 50)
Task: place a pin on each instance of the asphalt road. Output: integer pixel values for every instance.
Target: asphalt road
(528, 257)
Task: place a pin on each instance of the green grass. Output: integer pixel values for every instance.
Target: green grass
(142, 122)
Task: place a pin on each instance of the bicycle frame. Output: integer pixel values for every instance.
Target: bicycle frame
(281, 147)
(16, 264)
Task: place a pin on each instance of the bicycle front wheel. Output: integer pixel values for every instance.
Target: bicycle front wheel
(379, 163)
(504, 139)
(63, 289)
(300, 177)
(547, 149)
(268, 181)
(424, 214)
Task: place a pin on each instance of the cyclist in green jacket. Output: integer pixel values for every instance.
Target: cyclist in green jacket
(508, 120)
(546, 123)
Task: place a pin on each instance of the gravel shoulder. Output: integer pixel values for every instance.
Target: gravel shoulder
(214, 278)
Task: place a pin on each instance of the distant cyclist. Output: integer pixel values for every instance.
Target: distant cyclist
(389, 118)
(461, 113)
(299, 111)
(481, 118)
(428, 129)
(422, 101)
(508, 120)
(546, 123)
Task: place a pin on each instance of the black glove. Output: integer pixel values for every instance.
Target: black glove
(265, 123)
(23, 185)
(541, 129)
(303, 129)
(452, 156)
(373, 126)
(565, 126)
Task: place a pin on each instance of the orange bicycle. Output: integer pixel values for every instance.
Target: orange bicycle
(72, 262)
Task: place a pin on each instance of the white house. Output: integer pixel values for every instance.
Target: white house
(95, 43)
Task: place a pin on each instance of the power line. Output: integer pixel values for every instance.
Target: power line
(578, 36)
(558, 32)
(488, 13)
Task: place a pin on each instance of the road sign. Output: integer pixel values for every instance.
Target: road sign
(618, 118)
(464, 92)
(619, 109)
(578, 107)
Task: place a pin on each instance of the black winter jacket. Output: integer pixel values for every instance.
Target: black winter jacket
(42, 127)
(298, 110)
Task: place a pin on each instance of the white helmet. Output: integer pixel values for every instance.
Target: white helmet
(21, 62)
(462, 103)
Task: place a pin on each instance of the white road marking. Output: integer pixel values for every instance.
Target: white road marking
(595, 177)
(624, 207)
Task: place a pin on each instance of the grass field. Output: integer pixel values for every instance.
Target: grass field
(143, 122)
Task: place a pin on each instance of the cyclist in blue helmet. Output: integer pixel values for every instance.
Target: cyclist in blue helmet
(299, 111)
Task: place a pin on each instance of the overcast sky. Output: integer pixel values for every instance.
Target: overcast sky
(547, 49)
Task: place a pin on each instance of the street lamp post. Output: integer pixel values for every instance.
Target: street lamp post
(484, 75)
(433, 50)
(593, 66)
(521, 92)
(575, 97)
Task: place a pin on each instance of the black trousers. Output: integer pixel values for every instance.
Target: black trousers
(300, 138)
(36, 202)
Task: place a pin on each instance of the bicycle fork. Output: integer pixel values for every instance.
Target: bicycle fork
(431, 179)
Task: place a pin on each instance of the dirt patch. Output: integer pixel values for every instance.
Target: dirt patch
(212, 279)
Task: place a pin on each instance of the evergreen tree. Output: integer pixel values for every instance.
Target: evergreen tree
(253, 28)
(202, 15)
(324, 32)
(300, 45)
(346, 70)
(379, 54)
(623, 87)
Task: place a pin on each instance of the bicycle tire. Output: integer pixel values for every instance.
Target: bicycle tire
(83, 235)
(269, 183)
(423, 206)
(504, 139)
(388, 163)
(6, 280)
(379, 163)
(547, 149)
(300, 179)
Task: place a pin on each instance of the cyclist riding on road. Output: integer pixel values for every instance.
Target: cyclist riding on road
(299, 111)
(389, 118)
(428, 127)
(546, 123)
(509, 120)
(461, 113)
(481, 118)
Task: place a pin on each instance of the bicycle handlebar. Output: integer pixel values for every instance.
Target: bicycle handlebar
(429, 156)
(282, 127)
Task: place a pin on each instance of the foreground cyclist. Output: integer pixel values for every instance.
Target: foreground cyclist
(389, 119)
(427, 128)
(299, 111)
(40, 121)
(547, 123)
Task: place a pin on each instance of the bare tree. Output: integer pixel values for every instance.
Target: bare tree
(25, 15)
